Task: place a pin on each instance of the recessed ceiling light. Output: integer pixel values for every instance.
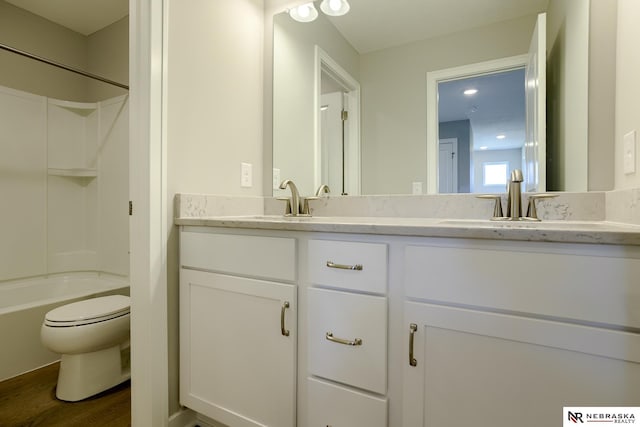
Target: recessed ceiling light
(470, 92)
(501, 136)
(484, 147)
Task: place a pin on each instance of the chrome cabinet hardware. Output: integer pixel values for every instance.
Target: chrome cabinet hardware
(283, 331)
(329, 336)
(413, 328)
(357, 267)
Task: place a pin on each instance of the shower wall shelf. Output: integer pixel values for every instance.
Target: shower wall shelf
(79, 107)
(74, 172)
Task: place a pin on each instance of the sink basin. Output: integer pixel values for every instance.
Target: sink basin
(553, 225)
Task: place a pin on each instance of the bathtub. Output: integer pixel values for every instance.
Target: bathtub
(24, 303)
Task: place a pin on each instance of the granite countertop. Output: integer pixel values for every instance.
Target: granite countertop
(598, 232)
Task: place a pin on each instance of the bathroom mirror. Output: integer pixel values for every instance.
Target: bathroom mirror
(389, 48)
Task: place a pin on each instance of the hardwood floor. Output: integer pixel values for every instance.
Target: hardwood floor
(29, 400)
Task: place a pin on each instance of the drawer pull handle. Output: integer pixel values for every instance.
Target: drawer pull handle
(413, 328)
(357, 267)
(329, 336)
(283, 331)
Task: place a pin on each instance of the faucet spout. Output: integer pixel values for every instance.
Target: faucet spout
(295, 196)
(514, 196)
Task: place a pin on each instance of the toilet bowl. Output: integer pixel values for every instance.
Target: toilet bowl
(92, 337)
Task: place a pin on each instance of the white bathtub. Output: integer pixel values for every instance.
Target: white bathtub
(23, 305)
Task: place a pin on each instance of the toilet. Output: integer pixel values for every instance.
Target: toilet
(92, 337)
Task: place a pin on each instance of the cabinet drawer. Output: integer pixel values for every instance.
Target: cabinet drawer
(346, 316)
(336, 406)
(600, 289)
(259, 256)
(372, 257)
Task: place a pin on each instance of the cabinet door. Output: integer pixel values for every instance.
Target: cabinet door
(237, 349)
(495, 370)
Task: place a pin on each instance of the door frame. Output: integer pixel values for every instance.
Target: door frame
(455, 73)
(324, 63)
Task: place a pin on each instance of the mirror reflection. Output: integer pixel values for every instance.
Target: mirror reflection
(389, 50)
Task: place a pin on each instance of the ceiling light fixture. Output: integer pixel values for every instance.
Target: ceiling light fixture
(484, 147)
(304, 13)
(470, 92)
(501, 136)
(335, 7)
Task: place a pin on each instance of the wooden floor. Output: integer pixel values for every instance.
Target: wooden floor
(29, 400)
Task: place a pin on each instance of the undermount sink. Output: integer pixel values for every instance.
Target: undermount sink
(554, 225)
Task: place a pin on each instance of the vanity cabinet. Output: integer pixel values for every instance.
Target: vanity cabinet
(238, 327)
(314, 329)
(347, 334)
(518, 334)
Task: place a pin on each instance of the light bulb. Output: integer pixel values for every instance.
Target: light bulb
(335, 7)
(304, 13)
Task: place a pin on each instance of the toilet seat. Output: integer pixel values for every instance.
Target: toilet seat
(88, 311)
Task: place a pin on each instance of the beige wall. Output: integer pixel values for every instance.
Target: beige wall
(567, 94)
(602, 93)
(627, 88)
(31, 33)
(214, 115)
(108, 56)
(394, 102)
(105, 52)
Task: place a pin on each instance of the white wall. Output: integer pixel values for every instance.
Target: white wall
(393, 83)
(627, 88)
(214, 115)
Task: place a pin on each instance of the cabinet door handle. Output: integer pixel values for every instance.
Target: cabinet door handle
(357, 267)
(412, 331)
(329, 336)
(283, 331)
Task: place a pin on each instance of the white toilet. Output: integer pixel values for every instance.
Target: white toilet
(91, 336)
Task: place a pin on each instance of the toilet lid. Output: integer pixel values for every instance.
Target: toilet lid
(89, 311)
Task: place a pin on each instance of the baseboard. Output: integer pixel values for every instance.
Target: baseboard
(184, 418)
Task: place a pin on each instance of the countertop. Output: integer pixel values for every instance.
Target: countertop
(596, 232)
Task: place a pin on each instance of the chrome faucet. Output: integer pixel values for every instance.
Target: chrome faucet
(324, 188)
(514, 201)
(295, 196)
(514, 195)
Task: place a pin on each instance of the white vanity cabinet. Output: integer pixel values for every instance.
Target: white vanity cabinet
(521, 331)
(347, 334)
(238, 327)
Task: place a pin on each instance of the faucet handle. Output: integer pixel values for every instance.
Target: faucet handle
(306, 210)
(287, 208)
(497, 208)
(532, 212)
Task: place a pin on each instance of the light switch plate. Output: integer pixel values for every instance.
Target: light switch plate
(246, 175)
(629, 147)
